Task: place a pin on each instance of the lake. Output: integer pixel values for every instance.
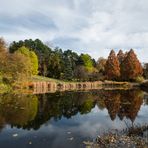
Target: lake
(66, 119)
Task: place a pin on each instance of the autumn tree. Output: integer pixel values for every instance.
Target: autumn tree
(81, 73)
(16, 69)
(112, 102)
(131, 67)
(100, 65)
(120, 56)
(14, 115)
(112, 67)
(130, 109)
(32, 57)
(3, 53)
(2, 45)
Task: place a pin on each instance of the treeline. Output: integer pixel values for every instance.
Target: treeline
(23, 59)
(59, 64)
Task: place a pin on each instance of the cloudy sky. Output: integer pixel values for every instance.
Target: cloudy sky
(88, 26)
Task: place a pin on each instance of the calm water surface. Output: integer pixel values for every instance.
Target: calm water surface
(65, 120)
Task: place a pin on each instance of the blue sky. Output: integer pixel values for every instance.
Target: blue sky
(89, 26)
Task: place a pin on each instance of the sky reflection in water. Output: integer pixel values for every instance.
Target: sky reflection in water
(67, 119)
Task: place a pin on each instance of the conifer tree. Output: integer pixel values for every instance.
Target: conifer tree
(112, 67)
(131, 67)
(120, 56)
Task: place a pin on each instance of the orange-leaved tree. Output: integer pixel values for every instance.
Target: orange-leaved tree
(112, 67)
(131, 67)
(120, 56)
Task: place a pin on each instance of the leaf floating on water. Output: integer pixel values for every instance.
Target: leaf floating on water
(15, 135)
(126, 103)
(68, 132)
(30, 142)
(71, 138)
(22, 108)
(88, 143)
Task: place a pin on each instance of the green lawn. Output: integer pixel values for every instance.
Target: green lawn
(41, 78)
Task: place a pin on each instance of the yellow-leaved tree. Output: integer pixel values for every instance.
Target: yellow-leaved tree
(32, 57)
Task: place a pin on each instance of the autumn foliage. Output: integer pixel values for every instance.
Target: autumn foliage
(123, 66)
(112, 67)
(131, 67)
(120, 56)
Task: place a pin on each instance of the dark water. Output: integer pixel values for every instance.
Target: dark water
(65, 120)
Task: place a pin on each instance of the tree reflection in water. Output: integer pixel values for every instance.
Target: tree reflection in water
(17, 110)
(31, 111)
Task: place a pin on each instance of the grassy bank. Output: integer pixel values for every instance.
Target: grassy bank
(104, 85)
(45, 79)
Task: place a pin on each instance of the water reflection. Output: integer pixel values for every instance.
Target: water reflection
(17, 109)
(32, 111)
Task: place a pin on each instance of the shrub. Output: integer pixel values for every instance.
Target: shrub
(139, 79)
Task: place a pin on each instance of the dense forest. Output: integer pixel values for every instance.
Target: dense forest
(23, 59)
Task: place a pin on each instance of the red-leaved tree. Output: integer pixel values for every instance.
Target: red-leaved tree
(131, 67)
(120, 56)
(112, 67)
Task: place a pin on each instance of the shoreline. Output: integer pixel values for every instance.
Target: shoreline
(135, 136)
(37, 87)
(52, 85)
(45, 87)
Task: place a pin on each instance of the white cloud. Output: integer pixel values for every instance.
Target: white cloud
(92, 26)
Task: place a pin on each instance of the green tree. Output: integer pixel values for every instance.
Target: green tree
(87, 61)
(70, 61)
(72, 57)
(68, 72)
(55, 64)
(42, 51)
(34, 61)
